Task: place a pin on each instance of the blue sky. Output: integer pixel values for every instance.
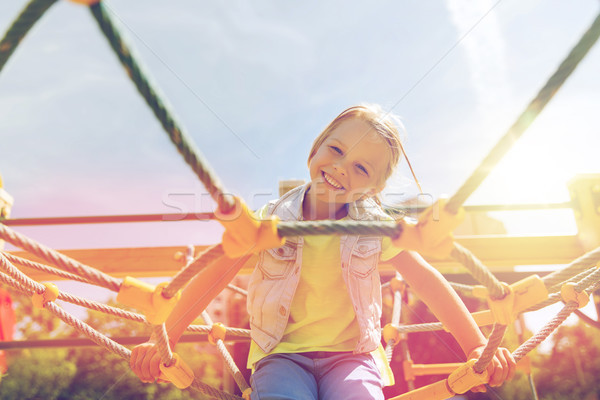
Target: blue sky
(254, 83)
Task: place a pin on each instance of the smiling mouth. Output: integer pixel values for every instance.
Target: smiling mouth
(331, 181)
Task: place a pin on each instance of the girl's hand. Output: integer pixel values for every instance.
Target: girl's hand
(145, 362)
(501, 368)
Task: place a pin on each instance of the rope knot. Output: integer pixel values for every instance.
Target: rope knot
(49, 294)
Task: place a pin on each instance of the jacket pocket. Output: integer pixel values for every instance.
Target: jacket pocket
(276, 263)
(365, 256)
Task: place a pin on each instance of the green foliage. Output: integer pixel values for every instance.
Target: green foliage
(37, 374)
(91, 372)
(572, 369)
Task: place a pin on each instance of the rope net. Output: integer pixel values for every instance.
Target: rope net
(582, 274)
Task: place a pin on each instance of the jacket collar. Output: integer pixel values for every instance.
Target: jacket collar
(289, 206)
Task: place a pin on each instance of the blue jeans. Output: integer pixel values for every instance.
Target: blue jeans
(298, 377)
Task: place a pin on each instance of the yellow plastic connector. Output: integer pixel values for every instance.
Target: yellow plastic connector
(391, 332)
(521, 295)
(148, 299)
(246, 394)
(217, 332)
(568, 293)
(432, 234)
(49, 294)
(244, 233)
(464, 378)
(178, 373)
(398, 285)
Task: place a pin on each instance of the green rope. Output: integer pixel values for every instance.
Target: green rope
(479, 271)
(527, 117)
(330, 227)
(186, 147)
(588, 260)
(490, 348)
(24, 22)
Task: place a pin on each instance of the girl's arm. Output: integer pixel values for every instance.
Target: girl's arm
(195, 297)
(433, 289)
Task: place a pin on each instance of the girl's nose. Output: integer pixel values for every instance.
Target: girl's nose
(339, 167)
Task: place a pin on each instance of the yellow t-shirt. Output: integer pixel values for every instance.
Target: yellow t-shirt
(321, 314)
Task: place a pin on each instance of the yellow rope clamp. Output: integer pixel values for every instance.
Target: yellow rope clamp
(148, 299)
(246, 394)
(521, 295)
(568, 293)
(178, 373)
(432, 234)
(218, 331)
(464, 378)
(391, 332)
(244, 233)
(49, 294)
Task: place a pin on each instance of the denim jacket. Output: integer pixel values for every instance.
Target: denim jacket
(275, 278)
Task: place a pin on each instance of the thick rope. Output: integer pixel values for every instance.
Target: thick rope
(234, 332)
(540, 336)
(330, 227)
(44, 268)
(577, 278)
(479, 271)
(20, 277)
(21, 26)
(161, 339)
(96, 306)
(490, 348)
(161, 109)
(58, 259)
(584, 262)
(233, 369)
(189, 271)
(396, 314)
(527, 117)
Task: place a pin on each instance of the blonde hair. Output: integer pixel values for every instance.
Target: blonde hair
(385, 124)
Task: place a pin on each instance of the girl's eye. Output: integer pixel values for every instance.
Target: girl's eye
(362, 169)
(336, 149)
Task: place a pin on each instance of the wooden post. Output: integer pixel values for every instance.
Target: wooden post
(585, 196)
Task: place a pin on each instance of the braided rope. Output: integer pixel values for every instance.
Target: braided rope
(56, 258)
(19, 277)
(21, 26)
(490, 348)
(540, 336)
(328, 227)
(237, 289)
(189, 271)
(479, 271)
(396, 314)
(584, 262)
(96, 306)
(233, 369)
(235, 332)
(104, 341)
(192, 155)
(41, 267)
(161, 338)
(577, 278)
(527, 117)
(465, 289)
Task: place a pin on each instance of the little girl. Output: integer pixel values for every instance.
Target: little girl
(315, 302)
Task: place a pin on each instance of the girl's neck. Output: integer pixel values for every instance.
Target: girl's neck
(315, 210)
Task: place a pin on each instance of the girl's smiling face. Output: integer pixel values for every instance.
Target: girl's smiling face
(350, 164)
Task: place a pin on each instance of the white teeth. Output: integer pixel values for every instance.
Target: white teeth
(329, 179)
